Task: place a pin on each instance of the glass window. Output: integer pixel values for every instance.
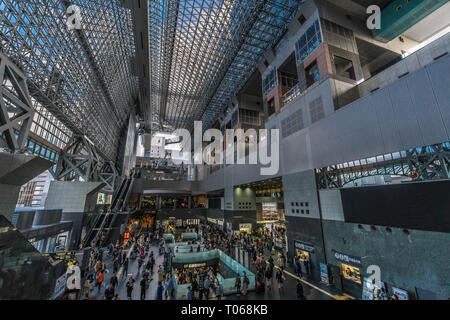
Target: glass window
(270, 81)
(37, 149)
(31, 146)
(308, 42)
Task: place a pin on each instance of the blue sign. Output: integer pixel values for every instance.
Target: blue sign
(324, 273)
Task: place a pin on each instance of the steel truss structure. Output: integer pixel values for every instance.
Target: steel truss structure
(203, 51)
(16, 111)
(109, 175)
(420, 164)
(83, 77)
(80, 160)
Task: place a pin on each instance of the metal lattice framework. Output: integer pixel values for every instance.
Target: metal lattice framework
(80, 160)
(420, 164)
(16, 110)
(109, 175)
(203, 51)
(83, 77)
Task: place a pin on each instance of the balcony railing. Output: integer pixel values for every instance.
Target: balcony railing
(295, 92)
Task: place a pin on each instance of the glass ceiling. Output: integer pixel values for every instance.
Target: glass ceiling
(201, 54)
(203, 51)
(83, 77)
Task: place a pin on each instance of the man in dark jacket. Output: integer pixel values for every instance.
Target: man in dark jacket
(143, 285)
(109, 292)
(237, 284)
(300, 295)
(125, 267)
(114, 281)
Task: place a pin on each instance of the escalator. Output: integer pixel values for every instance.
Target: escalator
(92, 228)
(118, 205)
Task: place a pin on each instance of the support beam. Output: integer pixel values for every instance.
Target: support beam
(15, 106)
(79, 159)
(420, 164)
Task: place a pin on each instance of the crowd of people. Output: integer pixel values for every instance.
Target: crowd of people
(202, 283)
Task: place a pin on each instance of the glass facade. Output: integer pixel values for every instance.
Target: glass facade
(46, 126)
(308, 42)
(270, 81)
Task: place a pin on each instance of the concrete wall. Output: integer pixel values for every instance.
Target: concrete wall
(8, 199)
(411, 112)
(16, 170)
(419, 259)
(300, 194)
(75, 199)
(73, 196)
(244, 199)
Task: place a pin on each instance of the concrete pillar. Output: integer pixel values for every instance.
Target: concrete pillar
(158, 202)
(246, 264)
(302, 212)
(241, 256)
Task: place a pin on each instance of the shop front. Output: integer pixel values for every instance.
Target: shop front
(307, 256)
(350, 273)
(245, 228)
(217, 222)
(192, 222)
(270, 212)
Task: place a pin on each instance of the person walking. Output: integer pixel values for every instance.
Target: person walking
(269, 276)
(280, 278)
(219, 292)
(300, 295)
(206, 285)
(109, 292)
(114, 281)
(189, 294)
(237, 284)
(125, 266)
(143, 285)
(170, 288)
(100, 279)
(130, 286)
(140, 263)
(116, 265)
(98, 266)
(159, 291)
(152, 262)
(308, 267)
(160, 274)
(246, 282)
(195, 286)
